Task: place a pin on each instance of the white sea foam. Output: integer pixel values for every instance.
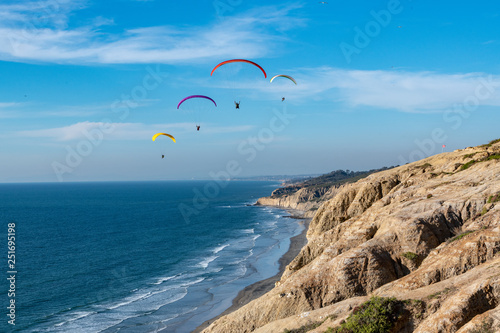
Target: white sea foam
(241, 271)
(219, 248)
(75, 316)
(164, 279)
(129, 300)
(254, 238)
(217, 270)
(131, 307)
(190, 283)
(176, 291)
(204, 263)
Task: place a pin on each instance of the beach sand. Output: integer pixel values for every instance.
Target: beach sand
(260, 288)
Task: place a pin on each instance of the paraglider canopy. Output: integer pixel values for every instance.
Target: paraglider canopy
(195, 96)
(239, 60)
(283, 75)
(158, 134)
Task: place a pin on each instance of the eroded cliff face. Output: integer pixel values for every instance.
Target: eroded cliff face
(305, 199)
(428, 231)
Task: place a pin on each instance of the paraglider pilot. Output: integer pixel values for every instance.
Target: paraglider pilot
(237, 104)
(282, 99)
(197, 127)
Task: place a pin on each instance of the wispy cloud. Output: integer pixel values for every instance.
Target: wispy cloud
(49, 39)
(399, 90)
(7, 109)
(38, 13)
(121, 131)
(5, 105)
(114, 131)
(493, 41)
(34, 110)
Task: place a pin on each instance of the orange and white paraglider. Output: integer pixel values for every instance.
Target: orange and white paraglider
(285, 76)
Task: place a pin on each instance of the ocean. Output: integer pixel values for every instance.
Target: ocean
(123, 257)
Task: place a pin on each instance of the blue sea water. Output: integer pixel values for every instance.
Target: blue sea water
(120, 256)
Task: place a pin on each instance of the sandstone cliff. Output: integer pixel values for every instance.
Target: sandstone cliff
(426, 234)
(308, 196)
(304, 199)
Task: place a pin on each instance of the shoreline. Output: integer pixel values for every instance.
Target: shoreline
(259, 288)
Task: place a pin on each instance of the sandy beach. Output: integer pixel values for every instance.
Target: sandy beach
(260, 288)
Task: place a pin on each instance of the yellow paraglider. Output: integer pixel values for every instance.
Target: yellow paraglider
(158, 134)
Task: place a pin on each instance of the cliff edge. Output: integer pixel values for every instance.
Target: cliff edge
(418, 242)
(308, 195)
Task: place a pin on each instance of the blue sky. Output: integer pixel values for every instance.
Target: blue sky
(85, 85)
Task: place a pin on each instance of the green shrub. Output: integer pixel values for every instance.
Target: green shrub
(491, 143)
(467, 165)
(462, 235)
(494, 141)
(444, 292)
(494, 198)
(469, 155)
(429, 196)
(410, 255)
(435, 295)
(308, 327)
(303, 329)
(484, 211)
(378, 315)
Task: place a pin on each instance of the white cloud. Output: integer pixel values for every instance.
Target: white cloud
(120, 131)
(248, 35)
(6, 110)
(34, 110)
(33, 15)
(9, 104)
(490, 42)
(402, 91)
(112, 131)
(102, 21)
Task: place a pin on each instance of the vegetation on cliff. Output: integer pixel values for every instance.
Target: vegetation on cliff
(378, 315)
(334, 178)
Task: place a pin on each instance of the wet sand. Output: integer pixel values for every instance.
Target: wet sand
(260, 288)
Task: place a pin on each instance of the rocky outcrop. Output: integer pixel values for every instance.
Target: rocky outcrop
(308, 195)
(305, 199)
(427, 231)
